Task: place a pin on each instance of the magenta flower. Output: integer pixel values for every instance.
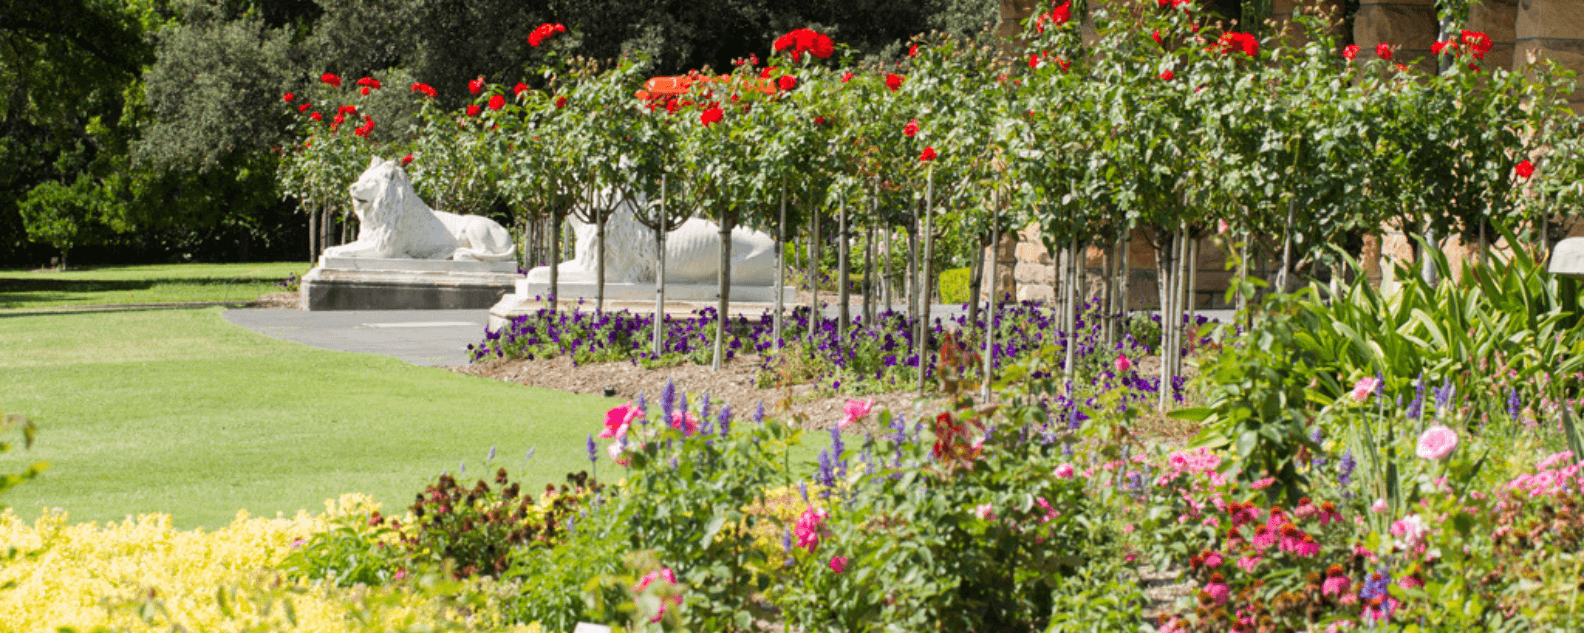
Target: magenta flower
(1378, 506)
(1436, 443)
(618, 419)
(685, 421)
(854, 411)
(1064, 471)
(648, 579)
(807, 529)
(1218, 589)
(985, 511)
(1123, 364)
(1247, 563)
(1336, 585)
(838, 564)
(1213, 560)
(1410, 531)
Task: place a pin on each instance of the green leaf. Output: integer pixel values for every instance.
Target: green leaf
(1194, 414)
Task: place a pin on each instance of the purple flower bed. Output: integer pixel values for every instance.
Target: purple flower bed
(876, 357)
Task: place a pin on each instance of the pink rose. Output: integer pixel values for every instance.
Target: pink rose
(1410, 530)
(1364, 387)
(1064, 471)
(985, 511)
(685, 421)
(854, 411)
(1123, 364)
(838, 564)
(1437, 443)
(1378, 506)
(618, 419)
(807, 529)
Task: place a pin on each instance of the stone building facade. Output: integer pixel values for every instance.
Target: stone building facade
(1521, 30)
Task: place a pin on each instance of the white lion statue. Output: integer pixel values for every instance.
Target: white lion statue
(393, 223)
(692, 253)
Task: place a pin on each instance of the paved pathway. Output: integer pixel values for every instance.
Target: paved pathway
(420, 337)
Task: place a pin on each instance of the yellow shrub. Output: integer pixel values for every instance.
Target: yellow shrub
(143, 575)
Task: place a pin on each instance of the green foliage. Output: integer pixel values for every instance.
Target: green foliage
(954, 285)
(474, 530)
(9, 422)
(356, 550)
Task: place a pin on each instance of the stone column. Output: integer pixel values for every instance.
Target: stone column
(1013, 12)
(1001, 261)
(1282, 12)
(1554, 30)
(1498, 19)
(1408, 25)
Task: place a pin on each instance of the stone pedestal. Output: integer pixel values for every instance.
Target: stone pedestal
(346, 283)
(1554, 30)
(750, 302)
(1408, 25)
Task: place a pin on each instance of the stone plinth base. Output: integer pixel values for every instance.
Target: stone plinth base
(344, 283)
(646, 292)
(750, 302)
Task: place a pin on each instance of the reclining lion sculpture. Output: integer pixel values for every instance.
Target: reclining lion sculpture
(393, 223)
(692, 253)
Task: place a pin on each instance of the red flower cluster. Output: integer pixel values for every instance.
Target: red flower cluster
(497, 102)
(787, 82)
(543, 32)
(1383, 50)
(913, 51)
(711, 115)
(894, 81)
(1057, 17)
(347, 109)
(477, 85)
(560, 102)
(800, 41)
(911, 128)
(425, 89)
(928, 155)
(819, 120)
(1174, 3)
(304, 107)
(363, 130)
(406, 160)
(288, 98)
(369, 82)
(1167, 75)
(316, 116)
(473, 110)
(331, 79)
(1232, 41)
(1477, 43)
(520, 88)
(1524, 169)
(1350, 51)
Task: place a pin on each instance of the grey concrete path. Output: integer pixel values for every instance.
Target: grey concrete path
(420, 337)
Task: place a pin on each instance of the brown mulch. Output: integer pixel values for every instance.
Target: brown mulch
(734, 383)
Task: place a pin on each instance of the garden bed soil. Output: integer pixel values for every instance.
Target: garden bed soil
(733, 384)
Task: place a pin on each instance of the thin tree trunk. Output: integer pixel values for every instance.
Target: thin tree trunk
(599, 263)
(780, 285)
(1107, 292)
(1286, 264)
(1178, 297)
(990, 304)
(1193, 284)
(555, 260)
(815, 313)
(324, 230)
(723, 310)
(885, 277)
(869, 276)
(1125, 282)
(1165, 268)
(910, 285)
(842, 294)
(975, 282)
(924, 307)
(1071, 295)
(313, 237)
(660, 272)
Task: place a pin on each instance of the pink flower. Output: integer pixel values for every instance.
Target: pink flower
(1222, 226)
(985, 511)
(807, 529)
(685, 421)
(1263, 483)
(1122, 363)
(1064, 471)
(1218, 590)
(1335, 586)
(1409, 582)
(617, 420)
(854, 411)
(1436, 443)
(1378, 506)
(649, 578)
(616, 453)
(838, 564)
(1364, 387)
(1247, 563)
(1557, 458)
(1213, 560)
(1410, 530)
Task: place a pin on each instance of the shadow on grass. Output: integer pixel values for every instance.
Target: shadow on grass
(23, 293)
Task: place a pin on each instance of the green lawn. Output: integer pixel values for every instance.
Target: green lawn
(144, 284)
(179, 411)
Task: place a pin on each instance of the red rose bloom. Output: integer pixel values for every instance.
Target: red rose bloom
(497, 102)
(1478, 43)
(406, 160)
(560, 102)
(894, 81)
(424, 89)
(543, 32)
(847, 76)
(799, 41)
(369, 82)
(520, 88)
(288, 98)
(913, 51)
(910, 129)
(1033, 61)
(331, 79)
(304, 107)
(1167, 75)
(1436, 48)
(1156, 36)
(363, 91)
(1063, 63)
(339, 119)
(1245, 42)
(473, 110)
(1350, 51)
(316, 116)
(765, 74)
(476, 86)
(928, 155)
(819, 120)
(711, 115)
(787, 82)
(1524, 169)
(1383, 50)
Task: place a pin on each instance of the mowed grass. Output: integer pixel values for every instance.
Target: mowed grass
(168, 283)
(178, 411)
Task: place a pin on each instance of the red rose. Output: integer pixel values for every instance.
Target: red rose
(316, 116)
(847, 76)
(1063, 63)
(1436, 48)
(1167, 75)
(543, 32)
(339, 119)
(1033, 61)
(1524, 169)
(406, 160)
(347, 109)
(288, 98)
(910, 129)
(560, 102)
(1239, 41)
(497, 102)
(1061, 14)
(928, 155)
(1350, 51)
(425, 89)
(819, 120)
(1156, 36)
(822, 46)
(1383, 50)
(476, 86)
(472, 110)
(331, 79)
(787, 82)
(913, 51)
(1478, 43)
(520, 88)
(671, 106)
(894, 81)
(765, 74)
(304, 107)
(711, 115)
(363, 91)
